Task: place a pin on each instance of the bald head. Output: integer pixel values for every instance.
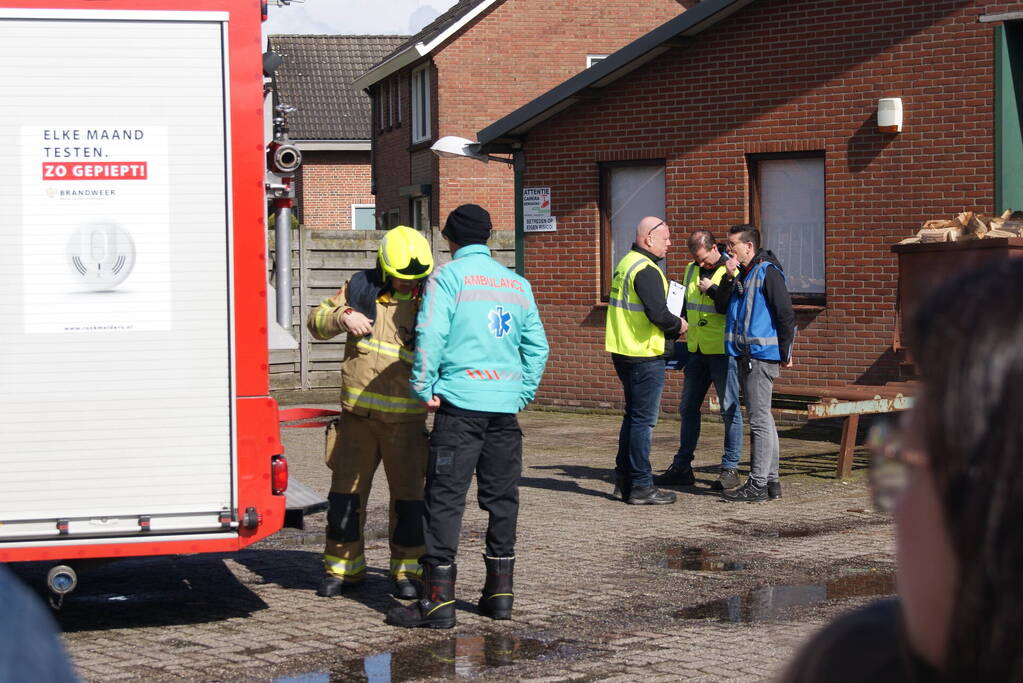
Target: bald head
(652, 235)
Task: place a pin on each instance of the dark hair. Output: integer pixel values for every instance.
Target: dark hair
(966, 343)
(700, 238)
(747, 232)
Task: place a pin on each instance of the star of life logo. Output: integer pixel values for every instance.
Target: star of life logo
(499, 322)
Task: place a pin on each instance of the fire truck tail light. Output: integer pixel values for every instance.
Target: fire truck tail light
(279, 474)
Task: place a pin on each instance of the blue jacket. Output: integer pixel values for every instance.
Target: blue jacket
(750, 326)
(480, 344)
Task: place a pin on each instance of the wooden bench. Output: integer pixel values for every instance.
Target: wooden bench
(849, 402)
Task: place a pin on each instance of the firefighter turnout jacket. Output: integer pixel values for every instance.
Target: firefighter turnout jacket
(375, 372)
(480, 343)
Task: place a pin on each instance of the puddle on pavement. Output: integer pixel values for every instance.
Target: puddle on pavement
(769, 603)
(688, 558)
(460, 657)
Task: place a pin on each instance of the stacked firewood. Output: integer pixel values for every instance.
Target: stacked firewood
(969, 226)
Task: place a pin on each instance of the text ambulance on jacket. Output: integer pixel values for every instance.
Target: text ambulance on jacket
(480, 367)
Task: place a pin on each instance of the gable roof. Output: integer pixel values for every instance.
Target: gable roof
(587, 84)
(316, 78)
(424, 42)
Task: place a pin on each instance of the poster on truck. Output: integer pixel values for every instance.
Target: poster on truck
(95, 226)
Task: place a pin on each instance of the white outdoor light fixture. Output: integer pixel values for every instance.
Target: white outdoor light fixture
(454, 147)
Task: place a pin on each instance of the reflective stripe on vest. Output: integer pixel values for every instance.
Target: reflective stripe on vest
(706, 332)
(629, 332)
(339, 567)
(385, 404)
(386, 349)
(750, 327)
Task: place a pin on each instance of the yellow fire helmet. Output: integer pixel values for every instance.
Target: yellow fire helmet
(405, 254)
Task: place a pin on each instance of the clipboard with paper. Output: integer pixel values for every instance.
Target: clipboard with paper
(676, 298)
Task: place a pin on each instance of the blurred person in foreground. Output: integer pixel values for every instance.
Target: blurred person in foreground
(952, 474)
(30, 648)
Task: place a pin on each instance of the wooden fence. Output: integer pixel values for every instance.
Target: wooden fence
(321, 261)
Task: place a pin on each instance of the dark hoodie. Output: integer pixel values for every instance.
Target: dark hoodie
(776, 295)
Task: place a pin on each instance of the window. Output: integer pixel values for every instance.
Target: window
(364, 217)
(395, 101)
(788, 207)
(381, 100)
(421, 213)
(593, 59)
(421, 104)
(629, 191)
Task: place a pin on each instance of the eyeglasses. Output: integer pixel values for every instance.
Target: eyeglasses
(891, 463)
(650, 231)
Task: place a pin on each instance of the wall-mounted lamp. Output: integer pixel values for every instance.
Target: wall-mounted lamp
(889, 115)
(454, 147)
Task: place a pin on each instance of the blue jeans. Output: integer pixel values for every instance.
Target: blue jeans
(700, 371)
(642, 382)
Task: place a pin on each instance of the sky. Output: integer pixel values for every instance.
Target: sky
(367, 17)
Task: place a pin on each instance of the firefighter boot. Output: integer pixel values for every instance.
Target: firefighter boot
(497, 598)
(437, 608)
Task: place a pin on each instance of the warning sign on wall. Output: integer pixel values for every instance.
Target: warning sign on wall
(536, 210)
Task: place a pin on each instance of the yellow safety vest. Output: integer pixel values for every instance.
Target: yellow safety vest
(706, 332)
(629, 332)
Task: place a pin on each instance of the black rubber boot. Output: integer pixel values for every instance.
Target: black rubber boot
(497, 598)
(437, 608)
(332, 586)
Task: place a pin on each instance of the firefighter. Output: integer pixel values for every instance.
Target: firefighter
(379, 420)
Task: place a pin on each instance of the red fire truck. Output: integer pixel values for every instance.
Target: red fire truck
(135, 416)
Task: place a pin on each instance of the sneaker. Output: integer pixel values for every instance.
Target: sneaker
(774, 490)
(747, 493)
(727, 480)
(676, 475)
(650, 495)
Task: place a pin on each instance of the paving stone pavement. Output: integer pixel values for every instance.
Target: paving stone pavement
(604, 591)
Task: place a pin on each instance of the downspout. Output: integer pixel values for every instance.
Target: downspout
(519, 165)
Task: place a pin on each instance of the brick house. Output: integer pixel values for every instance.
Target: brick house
(331, 124)
(474, 63)
(766, 111)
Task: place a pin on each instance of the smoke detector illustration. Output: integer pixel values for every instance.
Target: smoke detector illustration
(100, 255)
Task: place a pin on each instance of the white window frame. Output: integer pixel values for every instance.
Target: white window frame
(420, 99)
(417, 213)
(593, 59)
(362, 206)
(381, 106)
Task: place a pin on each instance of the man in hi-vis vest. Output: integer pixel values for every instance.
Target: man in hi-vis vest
(707, 363)
(760, 327)
(638, 326)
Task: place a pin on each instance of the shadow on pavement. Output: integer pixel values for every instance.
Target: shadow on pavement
(151, 591)
(302, 570)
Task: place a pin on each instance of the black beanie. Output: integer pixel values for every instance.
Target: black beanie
(468, 224)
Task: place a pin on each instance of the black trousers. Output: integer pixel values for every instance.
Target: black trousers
(491, 447)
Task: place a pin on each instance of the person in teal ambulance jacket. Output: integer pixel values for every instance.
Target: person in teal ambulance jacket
(480, 353)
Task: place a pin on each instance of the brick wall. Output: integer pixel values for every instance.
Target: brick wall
(739, 89)
(509, 55)
(327, 186)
